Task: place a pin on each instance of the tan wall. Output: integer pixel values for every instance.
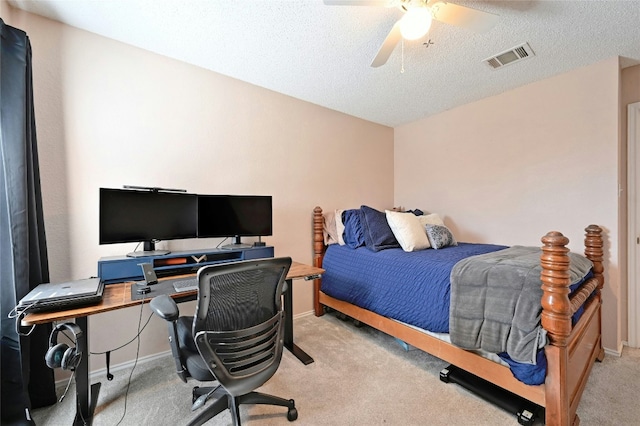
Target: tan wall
(109, 114)
(509, 168)
(5, 11)
(629, 93)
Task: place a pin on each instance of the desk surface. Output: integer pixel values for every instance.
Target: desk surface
(118, 296)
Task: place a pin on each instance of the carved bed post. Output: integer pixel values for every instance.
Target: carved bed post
(593, 249)
(556, 307)
(318, 253)
(557, 310)
(556, 319)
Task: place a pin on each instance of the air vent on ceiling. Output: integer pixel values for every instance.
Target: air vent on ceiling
(510, 56)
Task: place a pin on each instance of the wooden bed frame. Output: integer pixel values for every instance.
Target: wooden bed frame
(571, 351)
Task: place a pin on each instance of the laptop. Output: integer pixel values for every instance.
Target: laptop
(66, 295)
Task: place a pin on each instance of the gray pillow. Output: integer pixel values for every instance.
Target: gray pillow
(440, 236)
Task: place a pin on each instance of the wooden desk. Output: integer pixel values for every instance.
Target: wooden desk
(118, 296)
(297, 270)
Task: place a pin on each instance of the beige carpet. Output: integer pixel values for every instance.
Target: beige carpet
(359, 377)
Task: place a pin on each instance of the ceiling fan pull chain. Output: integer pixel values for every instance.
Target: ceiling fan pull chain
(402, 57)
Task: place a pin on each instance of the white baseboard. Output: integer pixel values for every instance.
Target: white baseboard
(304, 314)
(100, 374)
(614, 352)
(129, 364)
(625, 343)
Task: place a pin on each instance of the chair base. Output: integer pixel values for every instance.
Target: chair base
(223, 400)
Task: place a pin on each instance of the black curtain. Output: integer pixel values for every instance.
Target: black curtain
(26, 381)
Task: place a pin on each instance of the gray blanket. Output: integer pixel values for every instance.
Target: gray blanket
(495, 301)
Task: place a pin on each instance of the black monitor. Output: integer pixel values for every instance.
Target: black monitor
(234, 216)
(146, 216)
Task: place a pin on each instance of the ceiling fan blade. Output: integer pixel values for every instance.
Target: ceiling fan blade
(388, 45)
(356, 2)
(462, 16)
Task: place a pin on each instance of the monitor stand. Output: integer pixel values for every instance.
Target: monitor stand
(148, 253)
(148, 249)
(237, 244)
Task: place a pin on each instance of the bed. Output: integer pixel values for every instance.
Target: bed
(573, 344)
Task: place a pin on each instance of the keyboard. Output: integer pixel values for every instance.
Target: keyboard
(188, 284)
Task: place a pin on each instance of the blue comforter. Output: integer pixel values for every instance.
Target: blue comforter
(393, 282)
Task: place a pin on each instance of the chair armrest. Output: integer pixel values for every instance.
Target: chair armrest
(165, 307)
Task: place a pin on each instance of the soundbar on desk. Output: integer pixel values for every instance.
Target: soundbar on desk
(117, 269)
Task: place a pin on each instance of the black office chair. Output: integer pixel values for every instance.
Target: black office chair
(238, 328)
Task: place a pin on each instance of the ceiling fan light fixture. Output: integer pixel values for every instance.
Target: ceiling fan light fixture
(415, 23)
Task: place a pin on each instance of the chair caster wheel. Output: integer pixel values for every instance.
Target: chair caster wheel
(292, 414)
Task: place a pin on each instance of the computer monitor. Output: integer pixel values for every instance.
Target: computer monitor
(234, 216)
(146, 216)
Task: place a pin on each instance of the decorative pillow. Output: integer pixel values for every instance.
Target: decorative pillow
(431, 219)
(408, 230)
(353, 233)
(377, 233)
(440, 236)
(339, 226)
(329, 228)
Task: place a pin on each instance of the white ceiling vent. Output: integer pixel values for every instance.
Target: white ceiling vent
(513, 55)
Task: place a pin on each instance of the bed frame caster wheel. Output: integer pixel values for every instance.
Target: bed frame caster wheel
(525, 417)
(292, 413)
(444, 375)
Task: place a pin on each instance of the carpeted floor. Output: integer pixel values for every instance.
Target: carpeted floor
(359, 377)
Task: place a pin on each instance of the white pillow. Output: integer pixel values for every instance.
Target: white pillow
(340, 226)
(408, 230)
(430, 219)
(329, 229)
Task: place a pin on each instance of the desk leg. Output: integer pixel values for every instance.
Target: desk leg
(288, 326)
(86, 396)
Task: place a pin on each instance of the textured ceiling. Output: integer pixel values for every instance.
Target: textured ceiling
(321, 54)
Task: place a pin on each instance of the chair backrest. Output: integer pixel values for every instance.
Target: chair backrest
(238, 324)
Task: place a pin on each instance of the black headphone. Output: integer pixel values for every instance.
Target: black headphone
(60, 355)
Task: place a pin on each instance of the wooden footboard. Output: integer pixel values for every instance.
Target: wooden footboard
(570, 353)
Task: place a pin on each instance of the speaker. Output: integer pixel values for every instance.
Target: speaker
(60, 355)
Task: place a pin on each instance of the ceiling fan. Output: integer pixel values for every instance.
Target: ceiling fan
(417, 18)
